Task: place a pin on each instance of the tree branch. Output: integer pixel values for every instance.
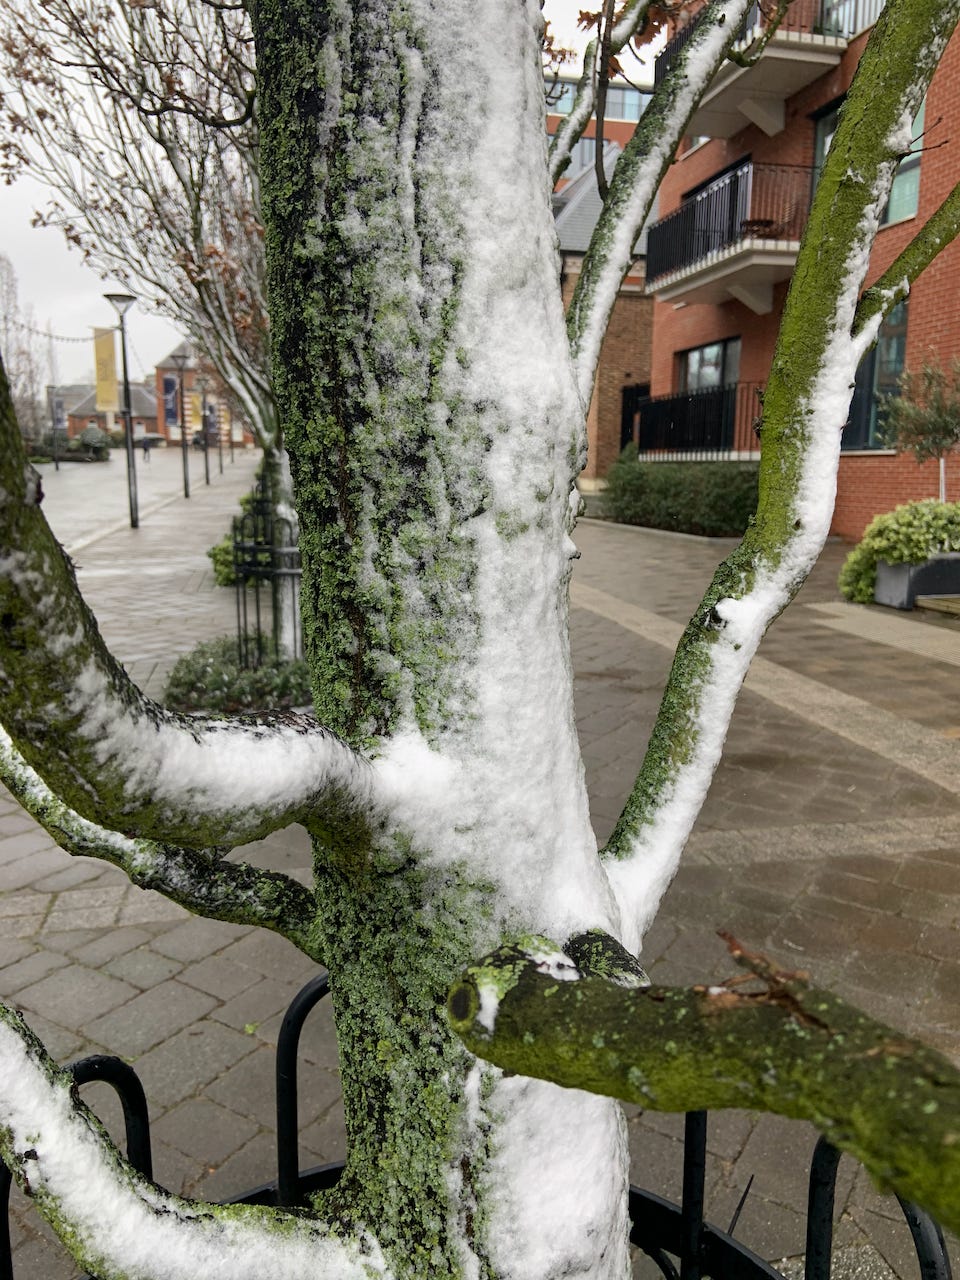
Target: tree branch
(805, 407)
(573, 124)
(114, 1222)
(198, 879)
(635, 181)
(774, 1044)
(894, 285)
(115, 757)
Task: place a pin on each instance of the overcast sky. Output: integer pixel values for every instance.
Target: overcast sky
(68, 296)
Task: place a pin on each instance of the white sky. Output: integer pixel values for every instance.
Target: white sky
(68, 296)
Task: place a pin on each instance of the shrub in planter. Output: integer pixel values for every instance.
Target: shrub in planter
(908, 535)
(210, 678)
(712, 498)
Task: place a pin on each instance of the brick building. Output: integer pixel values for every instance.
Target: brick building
(720, 259)
(202, 393)
(623, 373)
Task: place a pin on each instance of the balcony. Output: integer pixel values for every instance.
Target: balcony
(711, 424)
(808, 43)
(736, 238)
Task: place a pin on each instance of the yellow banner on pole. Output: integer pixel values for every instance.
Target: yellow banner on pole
(195, 414)
(105, 353)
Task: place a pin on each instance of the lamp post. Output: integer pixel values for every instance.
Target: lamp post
(121, 303)
(216, 409)
(203, 382)
(230, 431)
(180, 359)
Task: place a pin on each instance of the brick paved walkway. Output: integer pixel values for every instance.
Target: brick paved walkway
(830, 837)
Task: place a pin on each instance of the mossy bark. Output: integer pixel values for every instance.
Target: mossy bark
(434, 498)
(779, 1045)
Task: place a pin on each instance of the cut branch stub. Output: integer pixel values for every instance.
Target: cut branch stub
(781, 1046)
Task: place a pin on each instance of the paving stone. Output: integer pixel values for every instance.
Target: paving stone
(13, 950)
(60, 1042)
(150, 1017)
(80, 871)
(272, 956)
(252, 1166)
(28, 870)
(250, 1088)
(220, 977)
(196, 939)
(25, 972)
(182, 1065)
(205, 1130)
(143, 967)
(264, 1003)
(75, 996)
(113, 943)
(33, 841)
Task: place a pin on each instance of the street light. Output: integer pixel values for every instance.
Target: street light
(180, 359)
(121, 303)
(203, 382)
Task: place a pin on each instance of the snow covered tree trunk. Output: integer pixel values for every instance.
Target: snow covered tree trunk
(434, 430)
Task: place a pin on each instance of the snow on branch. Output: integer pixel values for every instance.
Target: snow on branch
(110, 753)
(804, 410)
(636, 178)
(116, 1223)
(198, 879)
(572, 126)
(894, 285)
(765, 1040)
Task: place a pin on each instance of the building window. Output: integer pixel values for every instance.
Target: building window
(623, 101)
(905, 192)
(715, 365)
(878, 377)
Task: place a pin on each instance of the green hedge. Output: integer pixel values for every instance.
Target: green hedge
(210, 678)
(908, 535)
(712, 498)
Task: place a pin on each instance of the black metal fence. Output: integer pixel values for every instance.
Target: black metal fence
(750, 202)
(678, 1239)
(266, 568)
(714, 423)
(840, 19)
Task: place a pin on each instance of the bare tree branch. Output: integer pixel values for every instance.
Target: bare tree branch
(198, 879)
(774, 1044)
(638, 174)
(118, 1223)
(572, 126)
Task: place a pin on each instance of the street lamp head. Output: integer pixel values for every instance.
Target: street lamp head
(121, 302)
(181, 357)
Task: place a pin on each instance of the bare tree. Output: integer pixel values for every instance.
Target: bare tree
(433, 399)
(19, 341)
(141, 119)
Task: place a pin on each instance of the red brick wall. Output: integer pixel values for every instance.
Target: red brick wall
(870, 483)
(624, 362)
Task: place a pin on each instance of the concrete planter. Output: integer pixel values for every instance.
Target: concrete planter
(898, 585)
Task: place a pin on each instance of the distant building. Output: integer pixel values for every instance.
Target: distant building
(719, 261)
(202, 393)
(72, 408)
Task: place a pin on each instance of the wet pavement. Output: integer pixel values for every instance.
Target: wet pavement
(830, 839)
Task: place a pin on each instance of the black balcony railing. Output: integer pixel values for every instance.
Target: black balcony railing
(839, 18)
(751, 202)
(701, 424)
